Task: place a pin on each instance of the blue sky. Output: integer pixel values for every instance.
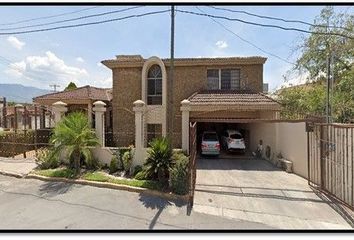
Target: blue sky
(61, 56)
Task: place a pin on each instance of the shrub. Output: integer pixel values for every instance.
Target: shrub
(113, 166)
(137, 169)
(179, 174)
(159, 161)
(46, 159)
(127, 159)
(141, 175)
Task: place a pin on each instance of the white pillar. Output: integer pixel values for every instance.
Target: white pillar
(99, 109)
(139, 108)
(59, 109)
(185, 108)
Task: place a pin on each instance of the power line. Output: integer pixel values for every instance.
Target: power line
(72, 19)
(48, 17)
(264, 25)
(277, 18)
(252, 44)
(85, 24)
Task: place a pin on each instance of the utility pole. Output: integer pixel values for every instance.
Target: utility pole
(171, 77)
(54, 86)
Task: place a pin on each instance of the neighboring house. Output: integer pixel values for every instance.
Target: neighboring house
(80, 99)
(222, 92)
(25, 119)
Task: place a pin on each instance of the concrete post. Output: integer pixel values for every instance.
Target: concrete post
(59, 109)
(99, 109)
(185, 108)
(139, 108)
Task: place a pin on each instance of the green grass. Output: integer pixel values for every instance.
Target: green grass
(57, 172)
(101, 177)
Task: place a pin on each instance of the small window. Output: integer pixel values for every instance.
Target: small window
(223, 79)
(153, 131)
(154, 85)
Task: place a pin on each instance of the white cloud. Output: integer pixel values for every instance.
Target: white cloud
(106, 82)
(221, 44)
(44, 70)
(99, 64)
(80, 59)
(15, 42)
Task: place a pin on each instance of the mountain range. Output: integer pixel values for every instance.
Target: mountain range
(19, 93)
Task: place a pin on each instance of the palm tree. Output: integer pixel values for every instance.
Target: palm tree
(159, 160)
(74, 135)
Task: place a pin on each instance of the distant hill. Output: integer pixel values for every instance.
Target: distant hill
(19, 93)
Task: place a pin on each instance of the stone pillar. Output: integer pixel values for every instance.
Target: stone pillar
(185, 108)
(59, 109)
(139, 108)
(18, 116)
(99, 109)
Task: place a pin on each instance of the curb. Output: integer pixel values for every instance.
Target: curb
(168, 196)
(12, 174)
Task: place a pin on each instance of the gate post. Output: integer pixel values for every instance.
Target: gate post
(185, 108)
(139, 107)
(59, 109)
(99, 109)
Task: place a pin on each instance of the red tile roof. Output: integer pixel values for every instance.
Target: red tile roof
(233, 97)
(85, 92)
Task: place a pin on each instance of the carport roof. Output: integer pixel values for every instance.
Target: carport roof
(241, 98)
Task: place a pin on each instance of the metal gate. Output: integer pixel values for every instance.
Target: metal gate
(192, 161)
(330, 160)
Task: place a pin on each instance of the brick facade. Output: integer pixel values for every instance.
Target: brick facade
(190, 77)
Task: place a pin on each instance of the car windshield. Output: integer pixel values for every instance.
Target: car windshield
(236, 136)
(210, 137)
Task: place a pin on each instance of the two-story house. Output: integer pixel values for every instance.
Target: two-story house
(220, 93)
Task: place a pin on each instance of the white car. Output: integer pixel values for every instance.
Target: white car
(233, 140)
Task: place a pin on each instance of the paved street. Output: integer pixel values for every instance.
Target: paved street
(34, 204)
(255, 190)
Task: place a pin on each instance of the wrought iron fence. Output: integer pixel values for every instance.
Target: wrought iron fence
(192, 168)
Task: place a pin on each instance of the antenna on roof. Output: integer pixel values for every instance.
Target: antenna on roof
(54, 86)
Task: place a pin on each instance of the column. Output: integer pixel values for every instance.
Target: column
(185, 108)
(139, 107)
(99, 109)
(89, 113)
(59, 109)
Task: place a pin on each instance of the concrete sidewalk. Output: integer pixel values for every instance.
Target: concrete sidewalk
(17, 167)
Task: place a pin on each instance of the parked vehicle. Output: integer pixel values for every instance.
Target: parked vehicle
(210, 143)
(233, 140)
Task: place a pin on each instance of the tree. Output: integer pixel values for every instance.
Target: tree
(74, 135)
(314, 53)
(71, 86)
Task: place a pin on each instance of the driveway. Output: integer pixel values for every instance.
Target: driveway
(255, 190)
(18, 167)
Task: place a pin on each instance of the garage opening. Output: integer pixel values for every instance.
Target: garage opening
(226, 130)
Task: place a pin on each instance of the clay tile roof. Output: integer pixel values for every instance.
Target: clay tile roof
(242, 98)
(85, 92)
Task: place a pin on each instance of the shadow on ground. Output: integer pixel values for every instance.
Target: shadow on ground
(51, 189)
(160, 204)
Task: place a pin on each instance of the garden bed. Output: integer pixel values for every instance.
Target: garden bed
(99, 176)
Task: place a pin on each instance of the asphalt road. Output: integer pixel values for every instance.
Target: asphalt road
(34, 204)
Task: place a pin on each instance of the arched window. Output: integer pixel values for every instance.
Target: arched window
(154, 85)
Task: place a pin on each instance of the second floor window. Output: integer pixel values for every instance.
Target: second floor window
(223, 79)
(154, 85)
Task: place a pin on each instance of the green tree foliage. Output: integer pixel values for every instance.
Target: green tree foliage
(159, 160)
(74, 135)
(71, 86)
(315, 51)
